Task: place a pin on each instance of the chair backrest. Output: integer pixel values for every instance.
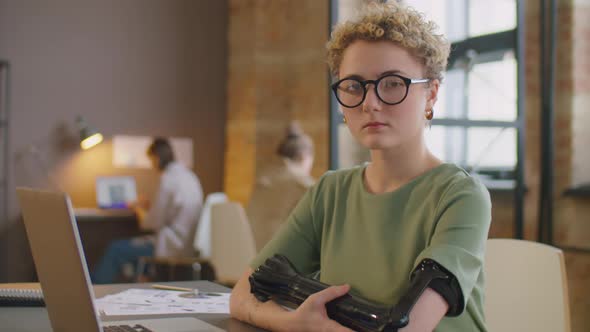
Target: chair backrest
(232, 242)
(202, 242)
(526, 287)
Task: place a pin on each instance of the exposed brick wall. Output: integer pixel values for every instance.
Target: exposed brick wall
(532, 118)
(241, 100)
(578, 272)
(502, 215)
(571, 162)
(572, 215)
(581, 89)
(277, 73)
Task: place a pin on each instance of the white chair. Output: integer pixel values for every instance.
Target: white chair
(232, 242)
(202, 241)
(525, 287)
(201, 244)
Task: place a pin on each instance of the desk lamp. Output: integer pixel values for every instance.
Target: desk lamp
(89, 137)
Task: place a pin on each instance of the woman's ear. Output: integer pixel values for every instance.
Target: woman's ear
(432, 93)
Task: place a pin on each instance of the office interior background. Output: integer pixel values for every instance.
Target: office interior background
(232, 74)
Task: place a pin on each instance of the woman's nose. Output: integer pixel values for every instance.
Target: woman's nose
(371, 102)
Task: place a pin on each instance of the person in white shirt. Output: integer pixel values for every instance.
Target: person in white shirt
(173, 216)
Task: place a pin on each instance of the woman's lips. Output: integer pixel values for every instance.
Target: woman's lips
(374, 125)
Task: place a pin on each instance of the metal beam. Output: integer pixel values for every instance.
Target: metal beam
(548, 35)
(519, 190)
(333, 117)
(5, 136)
(491, 43)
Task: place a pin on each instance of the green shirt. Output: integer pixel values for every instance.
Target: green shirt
(374, 241)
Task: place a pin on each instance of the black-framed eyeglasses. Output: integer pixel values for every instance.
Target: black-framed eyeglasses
(391, 89)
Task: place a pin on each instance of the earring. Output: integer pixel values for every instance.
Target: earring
(343, 119)
(430, 114)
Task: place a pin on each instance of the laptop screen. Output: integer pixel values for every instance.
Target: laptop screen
(113, 192)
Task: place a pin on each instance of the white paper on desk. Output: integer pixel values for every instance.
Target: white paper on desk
(157, 302)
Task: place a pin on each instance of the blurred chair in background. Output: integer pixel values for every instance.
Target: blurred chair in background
(202, 241)
(232, 242)
(194, 267)
(232, 248)
(526, 287)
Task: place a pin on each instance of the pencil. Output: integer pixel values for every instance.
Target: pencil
(165, 287)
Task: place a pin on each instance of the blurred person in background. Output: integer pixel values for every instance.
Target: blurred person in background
(172, 215)
(278, 190)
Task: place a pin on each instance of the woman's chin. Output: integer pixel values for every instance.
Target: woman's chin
(374, 143)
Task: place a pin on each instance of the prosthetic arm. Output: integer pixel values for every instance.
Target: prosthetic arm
(277, 279)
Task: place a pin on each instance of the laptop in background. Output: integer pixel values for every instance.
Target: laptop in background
(114, 192)
(61, 268)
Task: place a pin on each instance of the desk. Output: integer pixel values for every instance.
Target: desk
(35, 319)
(98, 228)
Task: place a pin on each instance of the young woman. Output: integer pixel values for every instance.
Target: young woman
(369, 228)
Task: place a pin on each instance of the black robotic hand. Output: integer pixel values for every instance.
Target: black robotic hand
(278, 279)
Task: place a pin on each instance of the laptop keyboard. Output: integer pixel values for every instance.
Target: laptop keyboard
(126, 328)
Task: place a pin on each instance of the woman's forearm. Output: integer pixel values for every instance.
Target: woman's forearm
(427, 313)
(245, 307)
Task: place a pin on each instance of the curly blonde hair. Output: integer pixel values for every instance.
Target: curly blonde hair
(399, 24)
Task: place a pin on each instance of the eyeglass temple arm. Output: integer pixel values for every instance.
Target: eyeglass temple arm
(419, 80)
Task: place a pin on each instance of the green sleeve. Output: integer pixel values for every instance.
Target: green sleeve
(460, 234)
(297, 239)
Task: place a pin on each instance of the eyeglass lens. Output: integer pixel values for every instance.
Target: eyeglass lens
(390, 89)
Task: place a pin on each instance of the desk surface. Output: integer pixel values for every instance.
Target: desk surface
(35, 319)
(95, 212)
(99, 227)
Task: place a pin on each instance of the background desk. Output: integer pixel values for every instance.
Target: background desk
(35, 319)
(99, 227)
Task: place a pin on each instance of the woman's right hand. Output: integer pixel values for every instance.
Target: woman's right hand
(311, 315)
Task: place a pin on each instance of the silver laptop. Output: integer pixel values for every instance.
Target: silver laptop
(62, 271)
(114, 192)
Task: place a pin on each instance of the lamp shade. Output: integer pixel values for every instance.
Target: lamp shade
(89, 137)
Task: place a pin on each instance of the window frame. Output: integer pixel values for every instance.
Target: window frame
(486, 47)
